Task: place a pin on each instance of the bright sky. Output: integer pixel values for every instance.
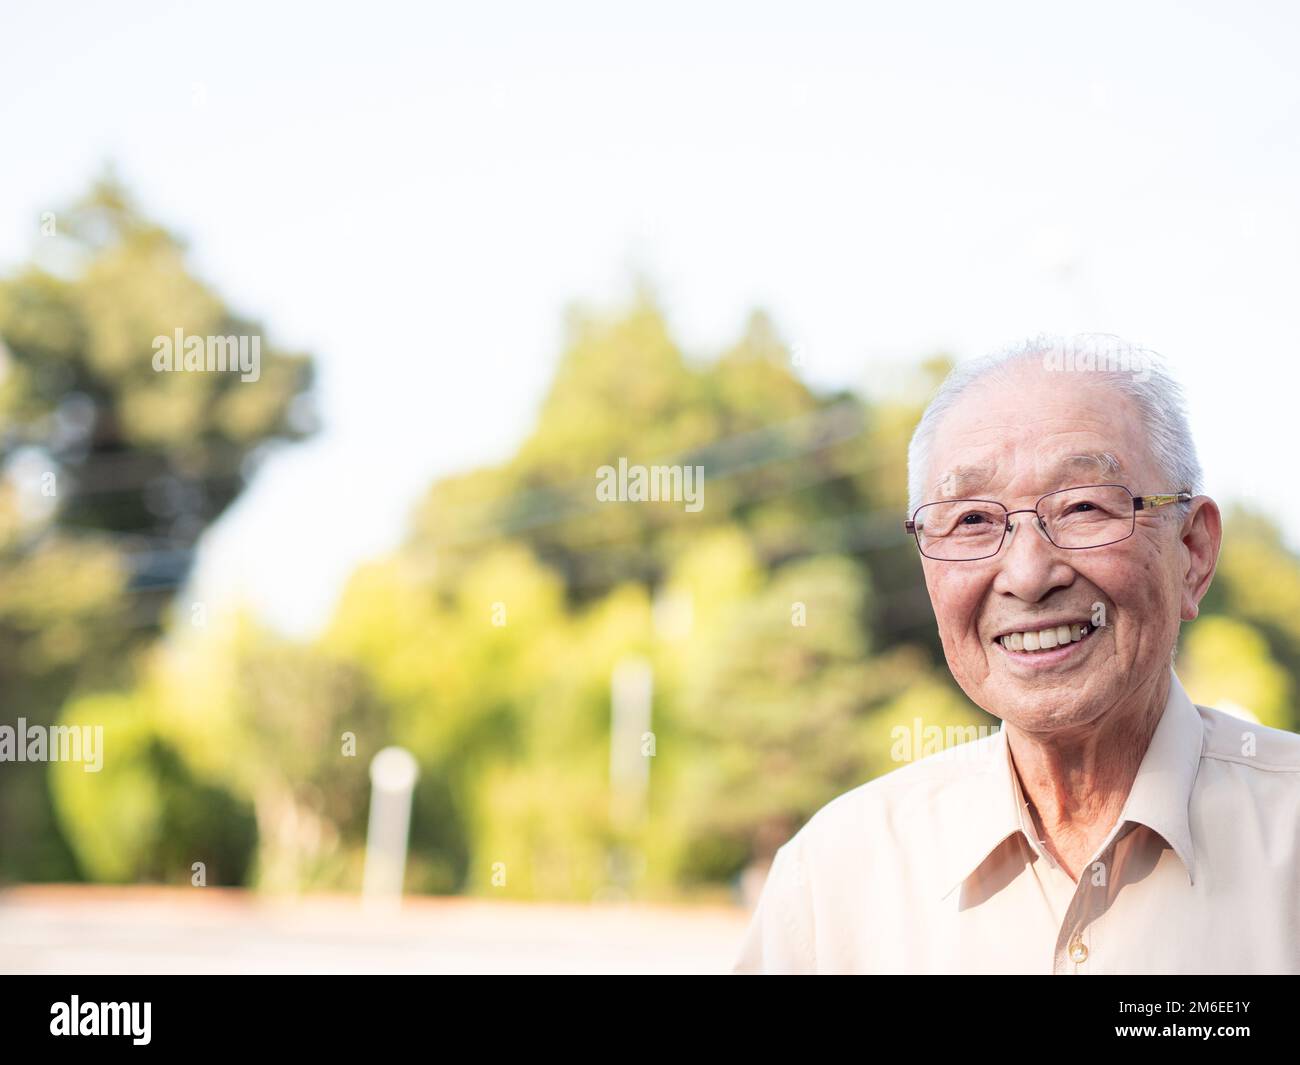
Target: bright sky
(414, 193)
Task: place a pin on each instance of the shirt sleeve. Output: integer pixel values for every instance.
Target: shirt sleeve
(779, 939)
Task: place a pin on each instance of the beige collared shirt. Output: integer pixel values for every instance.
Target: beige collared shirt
(935, 868)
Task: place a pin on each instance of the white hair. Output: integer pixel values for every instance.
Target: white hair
(1135, 372)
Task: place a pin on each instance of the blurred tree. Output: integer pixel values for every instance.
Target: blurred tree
(305, 727)
(797, 508)
(784, 709)
(146, 814)
(1226, 663)
(1258, 584)
(237, 748)
(111, 471)
(461, 677)
(778, 459)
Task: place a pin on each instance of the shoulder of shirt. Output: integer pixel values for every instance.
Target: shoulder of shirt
(900, 794)
(1272, 749)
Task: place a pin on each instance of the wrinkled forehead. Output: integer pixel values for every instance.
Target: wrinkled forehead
(1033, 431)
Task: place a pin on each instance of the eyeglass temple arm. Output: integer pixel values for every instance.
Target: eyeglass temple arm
(1149, 502)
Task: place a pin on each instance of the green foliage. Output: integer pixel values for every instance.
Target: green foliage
(1226, 663)
(290, 730)
(145, 814)
(1257, 583)
(780, 459)
(112, 470)
(759, 716)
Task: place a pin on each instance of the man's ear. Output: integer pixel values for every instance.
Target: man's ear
(1202, 536)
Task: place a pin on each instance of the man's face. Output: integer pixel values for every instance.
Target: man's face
(1014, 442)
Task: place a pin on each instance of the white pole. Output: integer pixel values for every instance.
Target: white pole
(393, 772)
(631, 696)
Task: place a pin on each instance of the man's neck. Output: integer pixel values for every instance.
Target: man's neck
(1077, 785)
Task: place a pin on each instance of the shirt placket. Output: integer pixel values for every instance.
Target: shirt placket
(1074, 954)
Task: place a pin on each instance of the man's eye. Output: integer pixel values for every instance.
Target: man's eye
(973, 518)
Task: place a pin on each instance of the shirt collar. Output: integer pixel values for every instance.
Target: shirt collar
(1159, 798)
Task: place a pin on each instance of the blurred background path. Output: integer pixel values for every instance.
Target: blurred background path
(94, 930)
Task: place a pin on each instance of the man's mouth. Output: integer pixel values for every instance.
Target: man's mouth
(1036, 641)
(1046, 647)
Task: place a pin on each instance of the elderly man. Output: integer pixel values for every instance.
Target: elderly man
(1110, 825)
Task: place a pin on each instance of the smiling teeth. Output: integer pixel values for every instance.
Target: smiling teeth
(1044, 639)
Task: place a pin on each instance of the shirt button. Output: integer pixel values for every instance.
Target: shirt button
(1078, 952)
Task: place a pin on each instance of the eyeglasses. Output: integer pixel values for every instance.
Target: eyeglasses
(1092, 515)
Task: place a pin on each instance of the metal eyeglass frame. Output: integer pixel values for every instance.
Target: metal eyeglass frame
(1139, 503)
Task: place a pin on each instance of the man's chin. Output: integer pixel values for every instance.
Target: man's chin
(1041, 707)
